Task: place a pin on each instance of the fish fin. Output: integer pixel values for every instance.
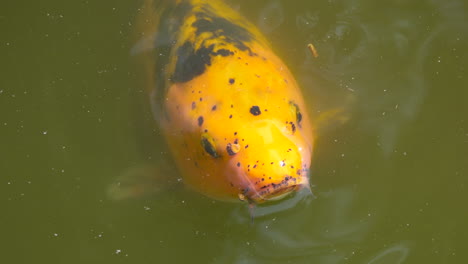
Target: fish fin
(142, 181)
(333, 117)
(330, 119)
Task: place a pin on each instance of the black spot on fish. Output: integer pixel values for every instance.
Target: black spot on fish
(293, 127)
(238, 164)
(255, 110)
(194, 105)
(213, 108)
(231, 80)
(200, 120)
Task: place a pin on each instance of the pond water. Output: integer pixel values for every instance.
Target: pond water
(389, 184)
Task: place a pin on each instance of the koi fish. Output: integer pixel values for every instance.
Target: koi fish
(230, 110)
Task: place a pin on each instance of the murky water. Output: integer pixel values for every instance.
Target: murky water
(390, 183)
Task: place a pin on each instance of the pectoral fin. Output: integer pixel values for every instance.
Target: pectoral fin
(142, 181)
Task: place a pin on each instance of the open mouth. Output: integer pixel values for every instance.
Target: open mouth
(281, 193)
(273, 192)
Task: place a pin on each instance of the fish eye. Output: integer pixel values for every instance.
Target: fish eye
(208, 145)
(296, 111)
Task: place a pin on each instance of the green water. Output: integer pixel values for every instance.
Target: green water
(390, 184)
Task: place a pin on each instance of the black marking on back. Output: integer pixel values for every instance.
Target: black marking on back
(163, 45)
(192, 62)
(208, 21)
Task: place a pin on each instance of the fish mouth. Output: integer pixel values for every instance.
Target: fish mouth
(281, 193)
(274, 192)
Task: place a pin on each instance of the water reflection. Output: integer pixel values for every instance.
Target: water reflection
(271, 17)
(394, 254)
(378, 58)
(320, 230)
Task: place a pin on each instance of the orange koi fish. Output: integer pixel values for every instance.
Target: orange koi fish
(232, 113)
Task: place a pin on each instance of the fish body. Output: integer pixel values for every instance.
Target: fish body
(232, 113)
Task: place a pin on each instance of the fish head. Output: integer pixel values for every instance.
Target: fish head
(271, 163)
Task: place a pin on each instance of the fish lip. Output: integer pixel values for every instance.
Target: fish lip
(253, 194)
(281, 193)
(276, 194)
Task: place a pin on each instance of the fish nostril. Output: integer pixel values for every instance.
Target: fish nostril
(232, 149)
